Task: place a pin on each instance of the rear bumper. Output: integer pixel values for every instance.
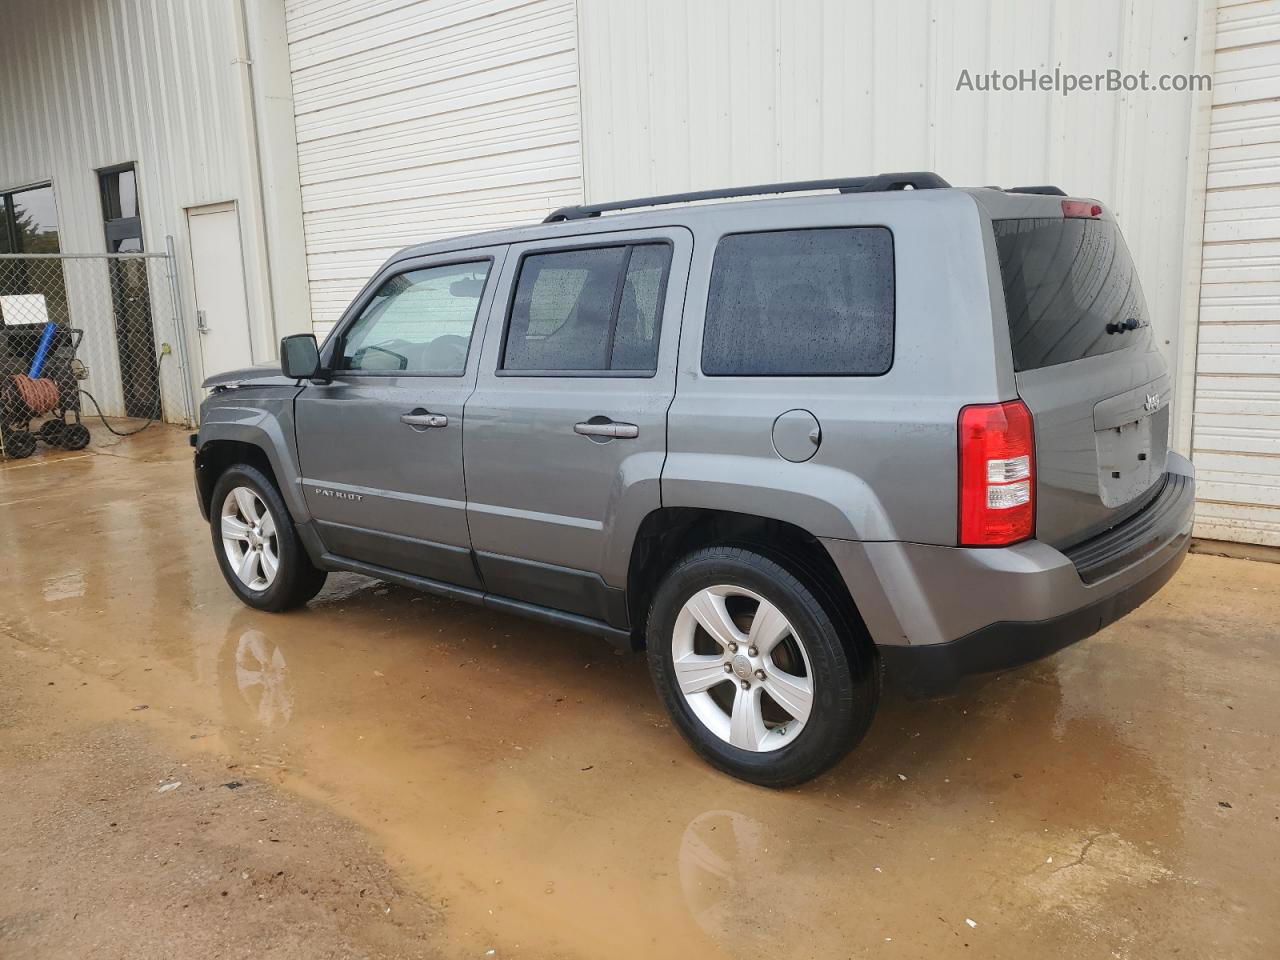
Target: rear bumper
(928, 669)
(940, 613)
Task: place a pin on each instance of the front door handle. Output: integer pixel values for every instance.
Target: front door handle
(421, 420)
(600, 427)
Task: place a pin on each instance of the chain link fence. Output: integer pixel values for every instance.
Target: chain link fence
(88, 343)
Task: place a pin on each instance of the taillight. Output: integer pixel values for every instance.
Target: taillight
(997, 474)
(1081, 208)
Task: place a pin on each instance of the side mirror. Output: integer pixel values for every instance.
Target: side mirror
(300, 356)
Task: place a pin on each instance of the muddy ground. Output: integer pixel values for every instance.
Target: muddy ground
(115, 846)
(502, 786)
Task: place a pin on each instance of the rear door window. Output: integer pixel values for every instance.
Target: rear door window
(803, 303)
(1065, 280)
(590, 309)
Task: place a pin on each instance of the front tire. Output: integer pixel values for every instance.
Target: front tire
(755, 670)
(257, 545)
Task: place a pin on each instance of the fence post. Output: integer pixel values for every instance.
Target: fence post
(180, 330)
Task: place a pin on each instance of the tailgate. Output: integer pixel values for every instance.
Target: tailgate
(1087, 368)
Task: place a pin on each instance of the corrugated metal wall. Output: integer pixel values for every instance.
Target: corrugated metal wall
(1237, 418)
(681, 95)
(85, 85)
(423, 120)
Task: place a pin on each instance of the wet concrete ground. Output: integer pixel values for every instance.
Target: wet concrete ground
(1121, 799)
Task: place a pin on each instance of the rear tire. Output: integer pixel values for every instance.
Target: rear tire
(257, 545)
(773, 691)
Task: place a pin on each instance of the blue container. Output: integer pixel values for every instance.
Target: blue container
(42, 351)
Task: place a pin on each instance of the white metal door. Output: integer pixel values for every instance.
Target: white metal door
(222, 313)
(1237, 405)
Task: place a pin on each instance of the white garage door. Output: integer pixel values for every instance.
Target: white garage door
(1237, 412)
(421, 120)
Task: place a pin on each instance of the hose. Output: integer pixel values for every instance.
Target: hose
(126, 433)
(119, 433)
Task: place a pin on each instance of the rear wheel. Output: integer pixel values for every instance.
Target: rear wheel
(257, 545)
(756, 672)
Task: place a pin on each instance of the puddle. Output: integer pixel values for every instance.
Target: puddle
(528, 783)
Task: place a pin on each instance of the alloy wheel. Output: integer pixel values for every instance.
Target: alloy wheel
(742, 668)
(249, 538)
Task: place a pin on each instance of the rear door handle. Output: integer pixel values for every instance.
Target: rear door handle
(421, 420)
(607, 428)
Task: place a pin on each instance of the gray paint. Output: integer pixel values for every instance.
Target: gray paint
(510, 502)
(538, 490)
(924, 594)
(382, 490)
(885, 439)
(259, 413)
(1075, 498)
(796, 435)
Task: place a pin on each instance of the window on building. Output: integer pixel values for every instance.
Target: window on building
(120, 214)
(591, 309)
(130, 291)
(801, 303)
(419, 322)
(30, 220)
(29, 224)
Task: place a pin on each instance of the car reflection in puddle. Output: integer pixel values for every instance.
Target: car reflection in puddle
(261, 678)
(719, 853)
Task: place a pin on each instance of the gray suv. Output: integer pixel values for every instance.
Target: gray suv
(863, 427)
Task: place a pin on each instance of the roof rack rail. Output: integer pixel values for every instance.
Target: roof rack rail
(1047, 189)
(918, 180)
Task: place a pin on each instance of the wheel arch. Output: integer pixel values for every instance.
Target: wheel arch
(215, 457)
(670, 533)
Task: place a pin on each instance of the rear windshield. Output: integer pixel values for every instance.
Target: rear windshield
(1064, 281)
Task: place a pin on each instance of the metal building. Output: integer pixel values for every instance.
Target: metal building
(183, 113)
(1237, 362)
(321, 135)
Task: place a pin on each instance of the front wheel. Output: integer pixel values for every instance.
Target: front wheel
(257, 546)
(754, 669)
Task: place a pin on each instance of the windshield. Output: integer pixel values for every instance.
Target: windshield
(1067, 282)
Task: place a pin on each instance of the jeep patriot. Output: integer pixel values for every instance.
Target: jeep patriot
(785, 444)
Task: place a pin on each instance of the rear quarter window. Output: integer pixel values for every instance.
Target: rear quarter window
(807, 303)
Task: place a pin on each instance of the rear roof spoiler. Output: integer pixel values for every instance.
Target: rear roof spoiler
(1047, 189)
